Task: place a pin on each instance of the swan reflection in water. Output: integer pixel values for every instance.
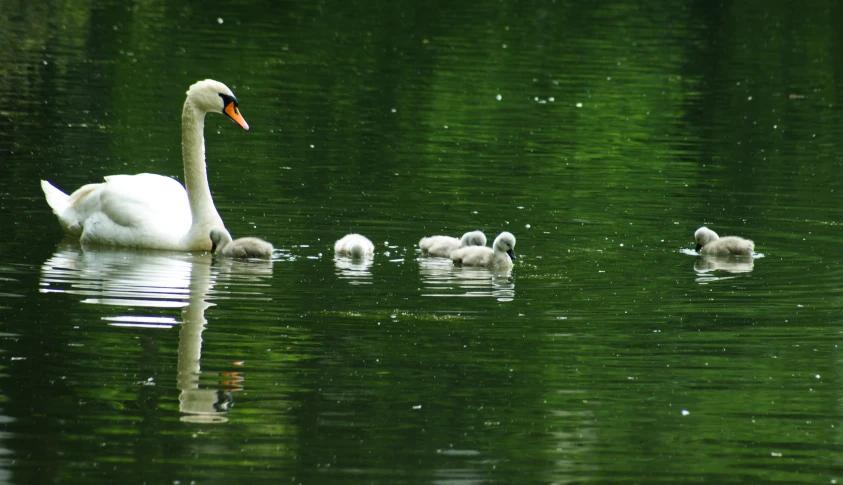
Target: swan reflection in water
(132, 280)
(442, 279)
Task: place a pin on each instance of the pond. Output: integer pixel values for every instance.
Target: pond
(601, 135)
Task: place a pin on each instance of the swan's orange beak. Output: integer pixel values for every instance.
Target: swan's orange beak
(232, 112)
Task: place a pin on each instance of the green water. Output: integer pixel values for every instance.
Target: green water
(601, 134)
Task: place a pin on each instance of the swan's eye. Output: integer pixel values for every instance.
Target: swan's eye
(226, 100)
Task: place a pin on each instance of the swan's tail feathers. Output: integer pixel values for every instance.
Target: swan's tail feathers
(62, 204)
(58, 200)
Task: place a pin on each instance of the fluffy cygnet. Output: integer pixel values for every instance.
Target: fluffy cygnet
(500, 255)
(244, 247)
(443, 246)
(354, 245)
(708, 242)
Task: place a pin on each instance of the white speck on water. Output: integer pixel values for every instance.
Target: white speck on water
(499, 97)
(776, 454)
(312, 146)
(417, 406)
(685, 412)
(551, 99)
(749, 98)
(579, 105)
(527, 226)
(394, 110)
(621, 244)
(817, 376)
(219, 20)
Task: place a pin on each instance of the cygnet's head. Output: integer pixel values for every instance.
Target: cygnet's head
(211, 96)
(219, 238)
(704, 236)
(505, 242)
(473, 238)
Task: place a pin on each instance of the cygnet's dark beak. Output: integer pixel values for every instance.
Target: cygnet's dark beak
(699, 246)
(511, 254)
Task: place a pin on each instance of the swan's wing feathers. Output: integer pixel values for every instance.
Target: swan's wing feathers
(145, 199)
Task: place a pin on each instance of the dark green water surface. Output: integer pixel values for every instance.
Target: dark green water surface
(601, 134)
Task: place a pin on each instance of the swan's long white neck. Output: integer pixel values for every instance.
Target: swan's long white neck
(202, 206)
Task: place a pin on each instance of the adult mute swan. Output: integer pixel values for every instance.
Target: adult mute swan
(244, 247)
(354, 245)
(499, 256)
(442, 246)
(708, 242)
(148, 210)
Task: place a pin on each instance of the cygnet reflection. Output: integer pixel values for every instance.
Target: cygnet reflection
(441, 279)
(355, 270)
(710, 268)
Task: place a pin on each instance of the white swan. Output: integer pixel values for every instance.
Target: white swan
(442, 246)
(708, 242)
(499, 256)
(148, 210)
(244, 247)
(354, 245)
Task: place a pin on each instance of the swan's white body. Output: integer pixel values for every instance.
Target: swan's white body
(148, 210)
(708, 242)
(244, 247)
(354, 245)
(499, 256)
(443, 246)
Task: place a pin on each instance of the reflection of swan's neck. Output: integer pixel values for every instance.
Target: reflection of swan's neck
(195, 173)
